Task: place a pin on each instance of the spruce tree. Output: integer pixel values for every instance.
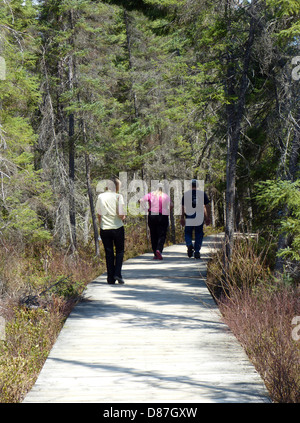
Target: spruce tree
(25, 196)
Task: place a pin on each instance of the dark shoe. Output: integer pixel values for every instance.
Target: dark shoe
(190, 250)
(158, 255)
(111, 283)
(197, 255)
(120, 280)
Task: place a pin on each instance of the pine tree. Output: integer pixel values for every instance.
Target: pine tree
(25, 196)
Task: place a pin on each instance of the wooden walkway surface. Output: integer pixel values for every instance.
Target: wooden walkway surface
(158, 338)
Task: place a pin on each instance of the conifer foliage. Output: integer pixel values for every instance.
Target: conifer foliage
(159, 89)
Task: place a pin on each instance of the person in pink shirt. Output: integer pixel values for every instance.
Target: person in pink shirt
(159, 206)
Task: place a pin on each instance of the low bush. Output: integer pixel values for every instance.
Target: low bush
(38, 289)
(29, 337)
(259, 309)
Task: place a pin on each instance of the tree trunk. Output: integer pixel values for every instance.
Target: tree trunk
(134, 96)
(128, 39)
(90, 193)
(71, 145)
(235, 111)
(295, 149)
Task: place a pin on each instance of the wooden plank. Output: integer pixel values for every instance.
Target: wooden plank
(158, 338)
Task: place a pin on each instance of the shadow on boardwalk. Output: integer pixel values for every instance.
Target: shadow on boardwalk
(158, 338)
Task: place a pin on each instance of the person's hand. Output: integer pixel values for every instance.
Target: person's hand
(182, 221)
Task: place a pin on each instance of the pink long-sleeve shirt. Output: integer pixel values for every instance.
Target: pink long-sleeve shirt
(158, 204)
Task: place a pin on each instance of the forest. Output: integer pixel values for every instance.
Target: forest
(161, 90)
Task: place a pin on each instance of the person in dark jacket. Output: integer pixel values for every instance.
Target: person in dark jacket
(195, 211)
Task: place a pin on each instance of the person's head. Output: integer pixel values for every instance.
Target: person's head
(194, 184)
(117, 183)
(159, 189)
(112, 184)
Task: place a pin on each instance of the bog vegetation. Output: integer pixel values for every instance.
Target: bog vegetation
(160, 89)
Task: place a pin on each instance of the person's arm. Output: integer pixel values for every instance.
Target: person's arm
(207, 213)
(144, 202)
(120, 208)
(182, 219)
(98, 211)
(143, 199)
(167, 204)
(122, 217)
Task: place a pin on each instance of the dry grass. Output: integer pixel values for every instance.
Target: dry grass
(33, 320)
(259, 310)
(30, 335)
(38, 289)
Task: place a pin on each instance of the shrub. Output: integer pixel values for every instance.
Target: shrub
(29, 337)
(259, 309)
(247, 268)
(262, 321)
(39, 289)
(39, 286)
(280, 200)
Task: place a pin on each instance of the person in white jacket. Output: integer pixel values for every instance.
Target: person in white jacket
(110, 211)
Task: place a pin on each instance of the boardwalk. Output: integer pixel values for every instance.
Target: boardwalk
(158, 338)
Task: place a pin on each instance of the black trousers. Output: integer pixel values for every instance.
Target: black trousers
(113, 239)
(158, 225)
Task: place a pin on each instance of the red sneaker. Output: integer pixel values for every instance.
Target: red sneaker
(158, 255)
